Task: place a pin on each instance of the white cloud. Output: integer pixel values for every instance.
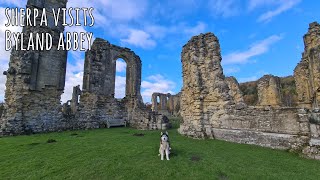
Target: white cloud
(110, 10)
(224, 8)
(279, 6)
(120, 87)
(121, 66)
(4, 55)
(199, 28)
(74, 77)
(231, 70)
(156, 83)
(139, 38)
(241, 57)
(20, 3)
(125, 9)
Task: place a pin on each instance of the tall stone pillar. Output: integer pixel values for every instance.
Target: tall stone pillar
(35, 79)
(204, 92)
(269, 91)
(154, 102)
(163, 102)
(307, 72)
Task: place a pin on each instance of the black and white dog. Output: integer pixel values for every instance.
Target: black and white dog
(164, 145)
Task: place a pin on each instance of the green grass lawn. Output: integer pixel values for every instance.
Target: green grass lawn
(117, 154)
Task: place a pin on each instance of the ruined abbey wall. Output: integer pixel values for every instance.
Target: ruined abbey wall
(168, 104)
(35, 82)
(234, 89)
(269, 91)
(307, 72)
(211, 105)
(97, 100)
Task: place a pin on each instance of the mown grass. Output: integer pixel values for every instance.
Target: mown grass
(117, 153)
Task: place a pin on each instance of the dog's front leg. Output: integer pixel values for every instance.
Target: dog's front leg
(167, 154)
(162, 154)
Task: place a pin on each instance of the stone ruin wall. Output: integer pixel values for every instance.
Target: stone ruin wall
(307, 72)
(269, 91)
(97, 101)
(307, 76)
(168, 105)
(212, 107)
(1, 109)
(234, 89)
(35, 82)
(174, 105)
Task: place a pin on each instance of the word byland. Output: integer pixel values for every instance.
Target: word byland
(43, 41)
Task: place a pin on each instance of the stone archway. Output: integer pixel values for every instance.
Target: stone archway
(100, 70)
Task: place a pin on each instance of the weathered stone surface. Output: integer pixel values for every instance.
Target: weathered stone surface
(97, 101)
(307, 72)
(204, 88)
(287, 90)
(35, 82)
(269, 91)
(1, 110)
(174, 105)
(208, 110)
(168, 105)
(36, 79)
(234, 89)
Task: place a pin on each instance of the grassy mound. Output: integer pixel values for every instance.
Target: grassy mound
(123, 153)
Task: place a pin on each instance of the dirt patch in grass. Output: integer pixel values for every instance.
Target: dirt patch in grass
(222, 176)
(195, 158)
(33, 144)
(51, 141)
(138, 134)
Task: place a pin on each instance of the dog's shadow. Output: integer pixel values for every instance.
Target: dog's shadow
(175, 152)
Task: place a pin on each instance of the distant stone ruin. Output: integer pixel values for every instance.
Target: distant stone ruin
(212, 106)
(269, 91)
(168, 104)
(234, 89)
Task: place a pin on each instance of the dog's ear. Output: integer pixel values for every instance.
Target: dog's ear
(167, 133)
(161, 133)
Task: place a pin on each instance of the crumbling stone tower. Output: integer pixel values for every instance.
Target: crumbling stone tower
(204, 88)
(307, 72)
(35, 80)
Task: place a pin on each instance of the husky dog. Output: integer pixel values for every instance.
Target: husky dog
(164, 145)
